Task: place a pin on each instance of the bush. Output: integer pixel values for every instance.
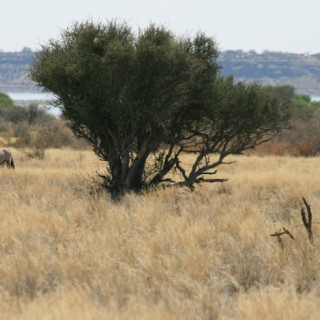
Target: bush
(5, 102)
(131, 94)
(34, 128)
(303, 140)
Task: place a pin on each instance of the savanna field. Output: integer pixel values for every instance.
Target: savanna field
(68, 252)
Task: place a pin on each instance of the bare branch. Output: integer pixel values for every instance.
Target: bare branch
(307, 221)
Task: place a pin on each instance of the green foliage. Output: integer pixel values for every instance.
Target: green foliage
(301, 100)
(5, 102)
(153, 96)
(303, 107)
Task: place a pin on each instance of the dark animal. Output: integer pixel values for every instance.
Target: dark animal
(6, 158)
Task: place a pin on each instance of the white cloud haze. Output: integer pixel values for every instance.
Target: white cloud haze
(275, 25)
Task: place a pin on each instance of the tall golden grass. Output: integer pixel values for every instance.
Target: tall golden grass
(68, 252)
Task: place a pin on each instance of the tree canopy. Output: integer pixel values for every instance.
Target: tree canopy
(145, 99)
(5, 102)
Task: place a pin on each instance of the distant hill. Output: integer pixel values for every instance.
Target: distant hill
(14, 69)
(272, 68)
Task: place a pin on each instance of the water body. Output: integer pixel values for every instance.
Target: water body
(44, 99)
(26, 98)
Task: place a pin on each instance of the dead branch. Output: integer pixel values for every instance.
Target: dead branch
(280, 233)
(307, 221)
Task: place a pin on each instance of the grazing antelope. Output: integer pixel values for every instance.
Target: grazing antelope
(6, 158)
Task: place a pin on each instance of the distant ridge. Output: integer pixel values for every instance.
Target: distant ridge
(274, 68)
(270, 68)
(14, 69)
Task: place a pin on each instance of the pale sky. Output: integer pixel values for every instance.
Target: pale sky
(274, 25)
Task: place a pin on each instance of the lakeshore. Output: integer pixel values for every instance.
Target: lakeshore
(25, 99)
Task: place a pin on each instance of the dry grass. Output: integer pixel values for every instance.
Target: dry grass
(68, 252)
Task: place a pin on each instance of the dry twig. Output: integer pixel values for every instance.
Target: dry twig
(307, 222)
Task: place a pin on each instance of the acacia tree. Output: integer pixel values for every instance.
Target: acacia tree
(143, 100)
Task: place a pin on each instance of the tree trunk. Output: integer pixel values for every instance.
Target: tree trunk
(137, 177)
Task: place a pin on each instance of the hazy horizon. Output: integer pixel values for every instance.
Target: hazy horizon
(245, 51)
